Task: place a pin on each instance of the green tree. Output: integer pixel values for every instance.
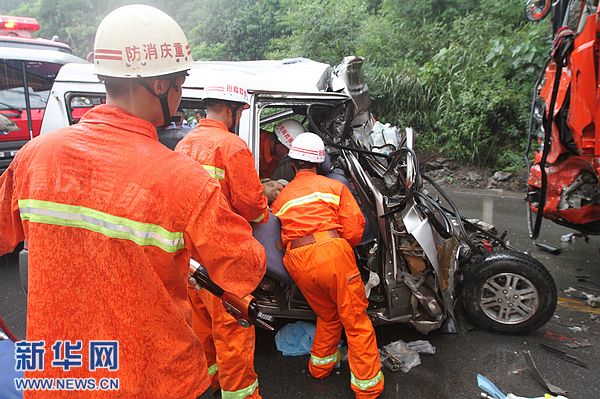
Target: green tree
(322, 30)
(459, 71)
(232, 30)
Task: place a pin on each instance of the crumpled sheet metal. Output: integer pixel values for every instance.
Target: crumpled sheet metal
(539, 377)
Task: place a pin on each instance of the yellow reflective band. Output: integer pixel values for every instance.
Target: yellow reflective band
(363, 385)
(241, 393)
(321, 361)
(259, 219)
(214, 172)
(145, 234)
(212, 370)
(314, 197)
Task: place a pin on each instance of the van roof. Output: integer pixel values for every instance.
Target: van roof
(27, 54)
(288, 75)
(299, 75)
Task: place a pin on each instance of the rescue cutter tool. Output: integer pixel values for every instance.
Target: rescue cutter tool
(244, 310)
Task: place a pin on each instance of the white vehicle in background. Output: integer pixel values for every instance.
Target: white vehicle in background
(421, 260)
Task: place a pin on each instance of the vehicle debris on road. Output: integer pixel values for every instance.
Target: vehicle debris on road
(399, 355)
(590, 299)
(422, 347)
(539, 377)
(563, 355)
(584, 343)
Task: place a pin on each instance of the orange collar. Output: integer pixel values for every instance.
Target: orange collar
(120, 118)
(213, 123)
(303, 172)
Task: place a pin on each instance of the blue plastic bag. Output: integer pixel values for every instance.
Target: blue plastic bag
(295, 339)
(489, 387)
(7, 371)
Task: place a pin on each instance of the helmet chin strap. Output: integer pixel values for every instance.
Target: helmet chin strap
(234, 108)
(164, 101)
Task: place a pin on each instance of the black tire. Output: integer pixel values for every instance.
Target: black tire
(500, 266)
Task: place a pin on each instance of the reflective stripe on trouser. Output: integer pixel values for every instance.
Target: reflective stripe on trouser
(327, 275)
(234, 346)
(241, 393)
(322, 361)
(364, 385)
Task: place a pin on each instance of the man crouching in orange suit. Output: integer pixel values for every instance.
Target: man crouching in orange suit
(320, 223)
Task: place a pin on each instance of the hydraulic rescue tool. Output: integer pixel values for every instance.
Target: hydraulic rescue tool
(244, 310)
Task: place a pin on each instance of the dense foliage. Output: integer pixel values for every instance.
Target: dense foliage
(459, 71)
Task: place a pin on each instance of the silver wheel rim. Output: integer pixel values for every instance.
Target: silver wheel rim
(509, 298)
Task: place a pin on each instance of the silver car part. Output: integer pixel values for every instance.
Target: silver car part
(509, 298)
(410, 171)
(421, 230)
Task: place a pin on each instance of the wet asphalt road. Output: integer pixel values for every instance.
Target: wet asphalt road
(451, 372)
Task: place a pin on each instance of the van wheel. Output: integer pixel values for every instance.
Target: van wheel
(509, 292)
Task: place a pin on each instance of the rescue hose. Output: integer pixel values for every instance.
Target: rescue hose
(559, 53)
(7, 331)
(354, 149)
(529, 139)
(456, 213)
(427, 207)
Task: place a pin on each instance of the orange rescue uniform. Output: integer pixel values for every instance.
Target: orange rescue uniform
(111, 218)
(227, 158)
(229, 347)
(326, 273)
(268, 161)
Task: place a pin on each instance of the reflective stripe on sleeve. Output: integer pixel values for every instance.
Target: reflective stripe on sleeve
(314, 197)
(321, 361)
(144, 234)
(241, 393)
(363, 385)
(214, 172)
(212, 370)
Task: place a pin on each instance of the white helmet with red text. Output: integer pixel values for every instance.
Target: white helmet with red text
(308, 147)
(288, 130)
(140, 41)
(227, 91)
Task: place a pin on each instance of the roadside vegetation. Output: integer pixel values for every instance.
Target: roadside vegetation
(460, 72)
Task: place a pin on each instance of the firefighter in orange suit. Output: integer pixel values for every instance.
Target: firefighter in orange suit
(229, 347)
(275, 146)
(111, 218)
(320, 223)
